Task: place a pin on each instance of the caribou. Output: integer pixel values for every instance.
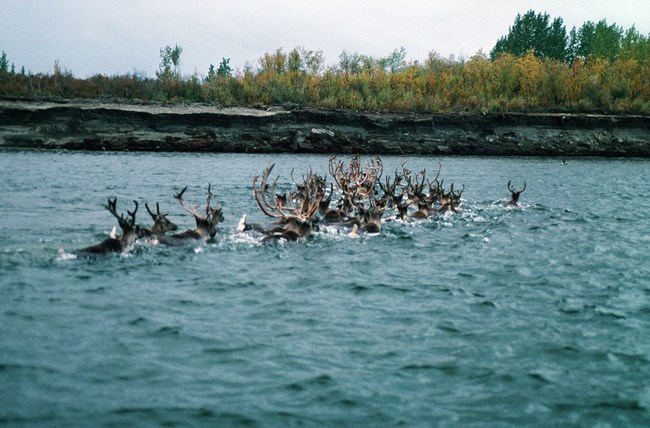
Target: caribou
(118, 244)
(356, 200)
(161, 225)
(514, 194)
(206, 226)
(294, 217)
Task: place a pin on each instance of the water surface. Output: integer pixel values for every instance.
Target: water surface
(531, 316)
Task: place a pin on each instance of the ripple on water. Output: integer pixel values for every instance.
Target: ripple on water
(470, 312)
(178, 415)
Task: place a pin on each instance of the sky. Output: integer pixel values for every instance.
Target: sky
(111, 37)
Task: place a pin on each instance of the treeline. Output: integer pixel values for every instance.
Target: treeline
(538, 66)
(549, 39)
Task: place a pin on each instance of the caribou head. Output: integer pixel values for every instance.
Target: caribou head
(161, 224)
(514, 194)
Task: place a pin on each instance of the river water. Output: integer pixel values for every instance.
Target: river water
(506, 317)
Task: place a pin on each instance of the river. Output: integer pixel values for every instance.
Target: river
(535, 316)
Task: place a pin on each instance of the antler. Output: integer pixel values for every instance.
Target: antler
(154, 216)
(263, 203)
(514, 201)
(336, 171)
(513, 190)
(457, 195)
(191, 210)
(379, 169)
(124, 223)
(207, 202)
(302, 209)
(132, 213)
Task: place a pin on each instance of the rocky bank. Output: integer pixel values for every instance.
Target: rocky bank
(77, 125)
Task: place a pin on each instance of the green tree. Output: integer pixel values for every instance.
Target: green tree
(557, 41)
(211, 73)
(634, 45)
(585, 40)
(224, 69)
(534, 32)
(294, 61)
(599, 40)
(350, 63)
(395, 61)
(4, 63)
(607, 40)
(169, 57)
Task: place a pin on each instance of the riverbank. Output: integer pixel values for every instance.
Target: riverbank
(83, 125)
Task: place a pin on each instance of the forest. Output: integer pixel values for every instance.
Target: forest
(537, 67)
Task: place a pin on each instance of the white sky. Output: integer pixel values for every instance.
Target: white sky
(121, 36)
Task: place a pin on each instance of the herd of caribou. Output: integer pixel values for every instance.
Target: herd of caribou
(358, 200)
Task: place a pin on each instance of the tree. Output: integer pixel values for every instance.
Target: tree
(169, 57)
(224, 69)
(607, 40)
(312, 61)
(294, 61)
(4, 63)
(556, 41)
(211, 73)
(634, 45)
(533, 32)
(598, 40)
(395, 61)
(349, 63)
(274, 63)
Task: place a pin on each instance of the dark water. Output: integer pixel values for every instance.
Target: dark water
(535, 316)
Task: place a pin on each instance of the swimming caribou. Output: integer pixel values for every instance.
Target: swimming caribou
(514, 194)
(119, 244)
(206, 226)
(161, 225)
(295, 216)
(355, 202)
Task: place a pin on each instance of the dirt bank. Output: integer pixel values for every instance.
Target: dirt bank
(114, 126)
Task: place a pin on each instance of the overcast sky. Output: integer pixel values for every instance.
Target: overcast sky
(121, 36)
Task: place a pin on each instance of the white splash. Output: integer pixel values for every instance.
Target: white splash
(63, 256)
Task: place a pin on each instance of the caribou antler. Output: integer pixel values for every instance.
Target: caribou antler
(336, 171)
(208, 211)
(191, 210)
(263, 203)
(123, 222)
(154, 216)
(513, 190)
(132, 213)
(514, 197)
